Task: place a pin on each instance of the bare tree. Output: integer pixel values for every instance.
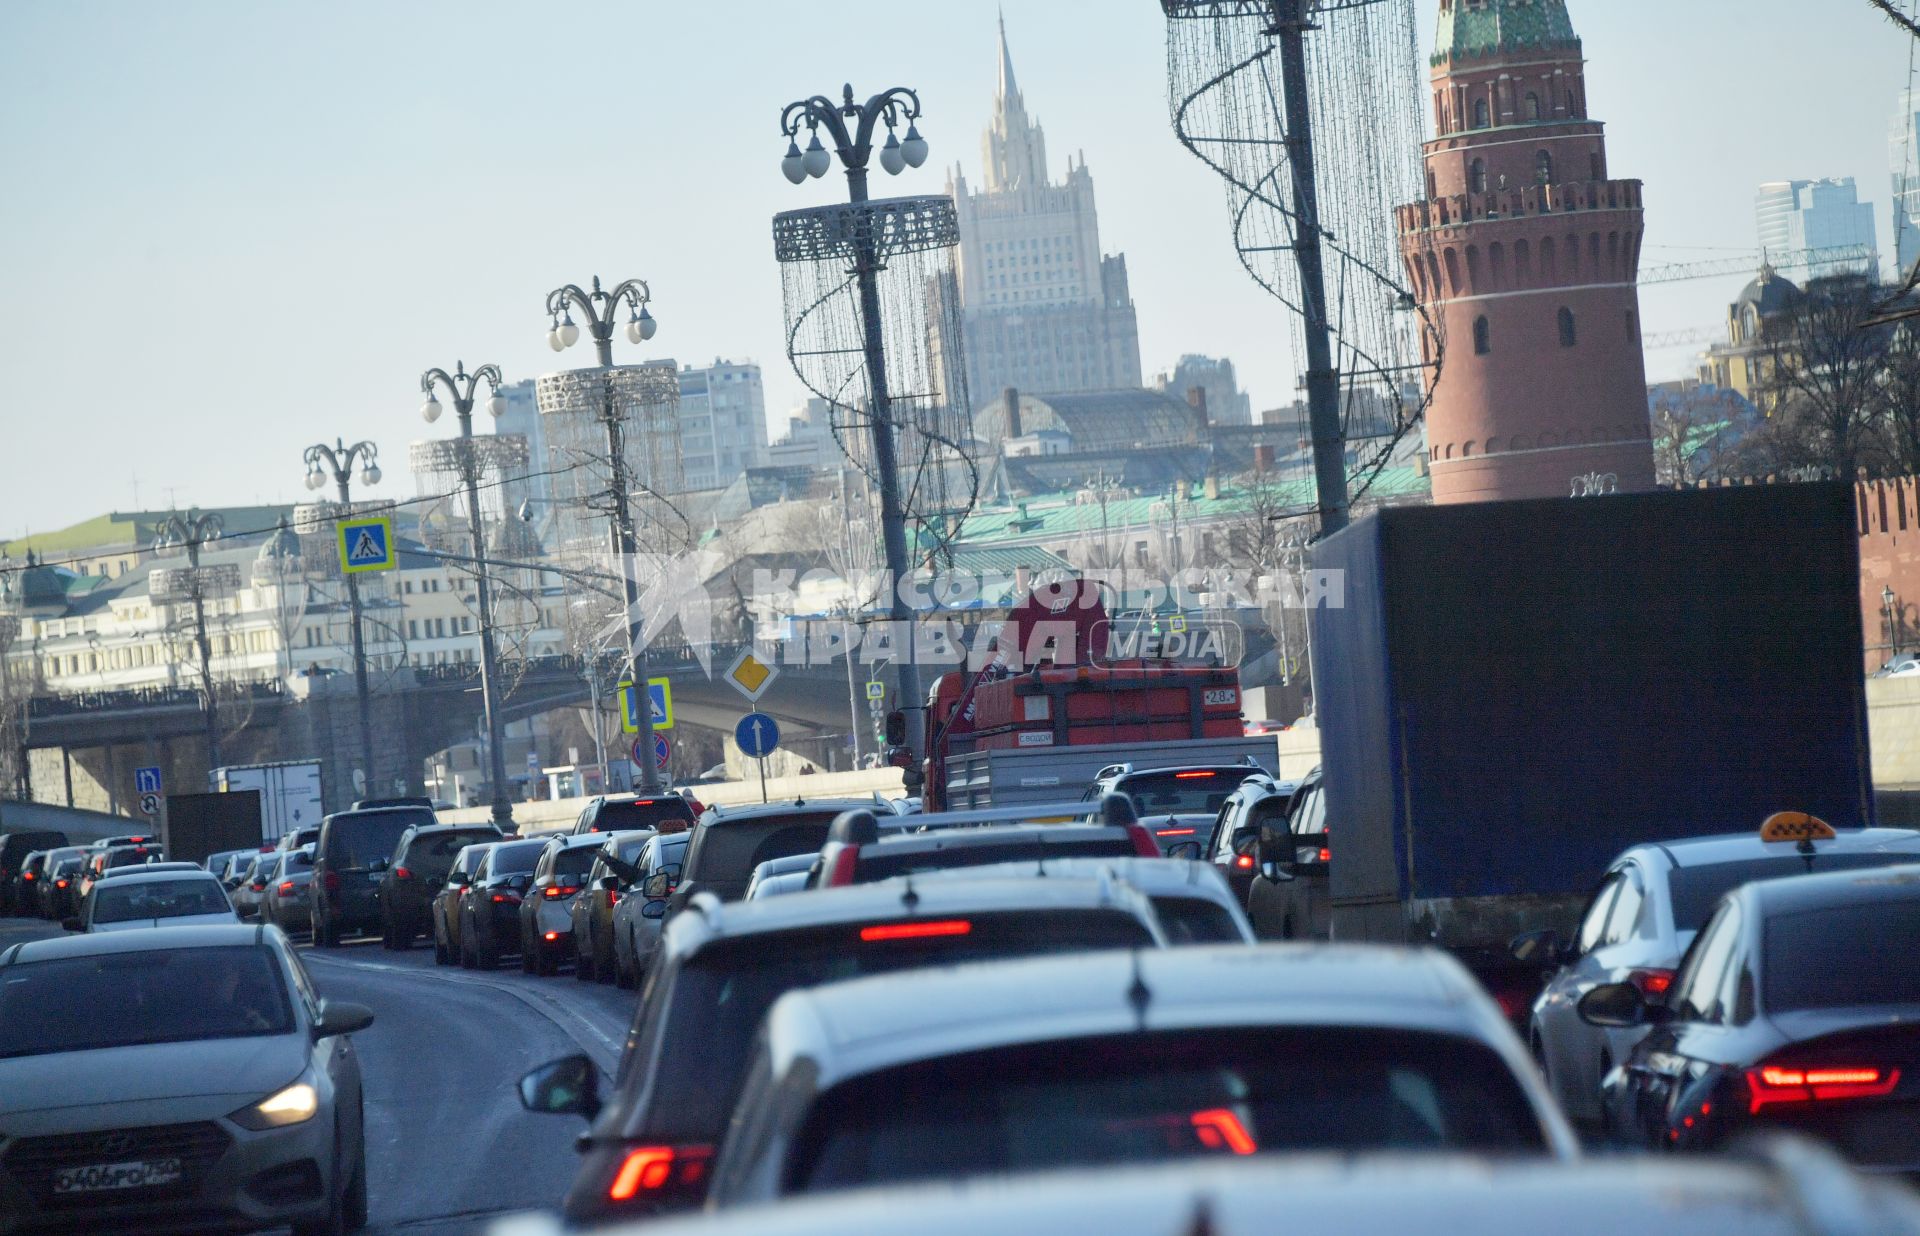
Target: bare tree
(1829, 366)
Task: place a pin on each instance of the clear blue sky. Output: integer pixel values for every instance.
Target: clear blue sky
(231, 228)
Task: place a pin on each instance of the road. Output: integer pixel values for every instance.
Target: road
(448, 1145)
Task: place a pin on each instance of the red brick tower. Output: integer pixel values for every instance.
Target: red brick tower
(1528, 256)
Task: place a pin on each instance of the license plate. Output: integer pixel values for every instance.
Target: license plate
(99, 1177)
(1222, 695)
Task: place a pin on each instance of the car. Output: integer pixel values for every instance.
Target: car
(1796, 1008)
(26, 891)
(14, 848)
(111, 874)
(489, 909)
(298, 838)
(154, 899)
(1643, 916)
(1178, 804)
(184, 1080)
(1782, 1188)
(1290, 897)
(638, 918)
(422, 859)
(60, 892)
(859, 848)
(1236, 830)
(445, 909)
(543, 922)
(252, 889)
(722, 965)
(109, 858)
(666, 813)
(404, 800)
(1130, 1057)
(591, 912)
(1190, 898)
(287, 899)
(729, 842)
(217, 862)
(239, 867)
(347, 867)
(777, 876)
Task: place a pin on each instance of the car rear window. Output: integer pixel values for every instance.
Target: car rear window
(128, 857)
(718, 997)
(1193, 792)
(153, 996)
(570, 864)
(1161, 1095)
(672, 811)
(516, 857)
(1696, 890)
(912, 855)
(1195, 920)
(1839, 956)
(433, 853)
(120, 901)
(361, 839)
(724, 853)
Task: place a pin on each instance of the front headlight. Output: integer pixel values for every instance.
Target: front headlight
(296, 1103)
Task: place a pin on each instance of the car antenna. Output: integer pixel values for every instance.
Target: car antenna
(1138, 994)
(910, 899)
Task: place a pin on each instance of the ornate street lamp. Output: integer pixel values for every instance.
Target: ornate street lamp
(189, 532)
(461, 387)
(336, 462)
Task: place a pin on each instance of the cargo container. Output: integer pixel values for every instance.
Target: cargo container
(289, 793)
(1011, 777)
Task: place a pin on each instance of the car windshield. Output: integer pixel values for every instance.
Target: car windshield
(1164, 1095)
(121, 901)
(910, 855)
(1696, 890)
(359, 840)
(1195, 792)
(1839, 956)
(516, 857)
(719, 997)
(1195, 920)
(645, 813)
(152, 996)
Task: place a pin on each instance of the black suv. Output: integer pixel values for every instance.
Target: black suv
(729, 842)
(489, 907)
(352, 854)
(421, 862)
(614, 813)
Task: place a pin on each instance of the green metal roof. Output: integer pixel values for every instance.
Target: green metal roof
(1482, 27)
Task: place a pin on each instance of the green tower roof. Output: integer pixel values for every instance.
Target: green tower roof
(1482, 27)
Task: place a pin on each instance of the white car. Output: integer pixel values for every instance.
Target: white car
(636, 932)
(780, 875)
(1650, 905)
(1190, 897)
(190, 898)
(1118, 1058)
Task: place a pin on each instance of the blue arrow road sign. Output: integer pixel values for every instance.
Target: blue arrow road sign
(146, 780)
(757, 734)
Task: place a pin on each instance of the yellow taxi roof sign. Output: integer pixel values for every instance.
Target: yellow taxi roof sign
(1796, 826)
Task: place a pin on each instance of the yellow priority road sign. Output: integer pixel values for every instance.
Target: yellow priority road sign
(751, 676)
(367, 545)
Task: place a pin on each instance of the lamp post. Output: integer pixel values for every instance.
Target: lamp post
(337, 461)
(599, 308)
(190, 532)
(1887, 599)
(854, 145)
(461, 386)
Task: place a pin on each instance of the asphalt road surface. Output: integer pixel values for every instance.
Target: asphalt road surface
(448, 1145)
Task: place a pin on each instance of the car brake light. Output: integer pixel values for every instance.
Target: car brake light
(506, 899)
(1653, 984)
(649, 1169)
(59, 883)
(1194, 776)
(401, 873)
(330, 881)
(259, 886)
(613, 898)
(1219, 1127)
(847, 860)
(553, 935)
(1144, 845)
(916, 931)
(1775, 1084)
(1174, 832)
(286, 888)
(561, 890)
(1244, 862)
(1326, 854)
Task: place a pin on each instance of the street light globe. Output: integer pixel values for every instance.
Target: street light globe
(430, 410)
(554, 341)
(816, 160)
(633, 331)
(370, 475)
(890, 157)
(315, 479)
(497, 406)
(569, 333)
(794, 166)
(914, 149)
(647, 325)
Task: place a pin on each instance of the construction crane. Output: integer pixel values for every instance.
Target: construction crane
(1820, 261)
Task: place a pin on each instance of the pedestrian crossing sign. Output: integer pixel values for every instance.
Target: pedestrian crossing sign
(367, 545)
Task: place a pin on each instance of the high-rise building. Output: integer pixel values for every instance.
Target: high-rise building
(1226, 403)
(1903, 157)
(1527, 254)
(723, 423)
(1043, 309)
(1795, 215)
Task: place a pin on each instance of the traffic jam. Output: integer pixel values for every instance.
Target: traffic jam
(1132, 976)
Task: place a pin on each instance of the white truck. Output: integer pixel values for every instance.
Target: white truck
(289, 793)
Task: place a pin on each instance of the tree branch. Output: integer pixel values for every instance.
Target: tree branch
(1897, 17)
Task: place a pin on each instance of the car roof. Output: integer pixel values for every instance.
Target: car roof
(1164, 770)
(1719, 848)
(93, 944)
(1156, 877)
(1855, 886)
(861, 1025)
(742, 812)
(419, 829)
(579, 841)
(706, 919)
(149, 875)
(968, 836)
(411, 809)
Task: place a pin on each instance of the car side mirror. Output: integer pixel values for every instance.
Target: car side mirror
(656, 908)
(660, 884)
(1542, 948)
(1616, 1006)
(460, 879)
(1188, 850)
(609, 882)
(1246, 839)
(341, 1017)
(380, 864)
(72, 924)
(570, 1084)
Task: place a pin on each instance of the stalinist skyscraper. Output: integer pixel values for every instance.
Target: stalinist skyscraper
(1044, 310)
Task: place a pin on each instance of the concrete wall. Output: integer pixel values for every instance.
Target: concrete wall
(560, 814)
(1893, 725)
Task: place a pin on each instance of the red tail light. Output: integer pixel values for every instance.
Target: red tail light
(1653, 984)
(507, 899)
(286, 888)
(651, 1169)
(561, 890)
(27, 876)
(401, 873)
(330, 881)
(1326, 855)
(1244, 862)
(1144, 845)
(613, 898)
(916, 931)
(1174, 832)
(1195, 776)
(553, 935)
(848, 860)
(59, 883)
(259, 886)
(1219, 1128)
(1780, 1084)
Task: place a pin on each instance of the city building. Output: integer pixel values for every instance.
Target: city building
(1903, 159)
(809, 441)
(522, 417)
(1797, 215)
(723, 424)
(1043, 309)
(1759, 324)
(1527, 255)
(1226, 403)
